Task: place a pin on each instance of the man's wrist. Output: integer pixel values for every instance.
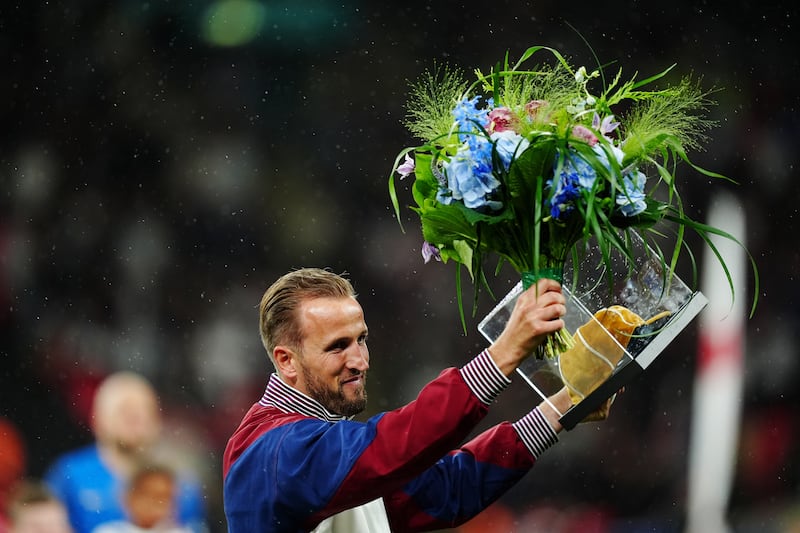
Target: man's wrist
(500, 355)
(554, 408)
(484, 378)
(536, 432)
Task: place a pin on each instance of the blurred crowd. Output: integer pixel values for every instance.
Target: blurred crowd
(125, 481)
(163, 162)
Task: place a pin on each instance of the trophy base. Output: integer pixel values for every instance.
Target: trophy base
(631, 368)
(605, 360)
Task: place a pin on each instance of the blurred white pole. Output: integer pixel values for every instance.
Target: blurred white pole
(716, 409)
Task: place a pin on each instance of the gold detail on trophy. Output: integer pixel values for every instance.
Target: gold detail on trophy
(599, 346)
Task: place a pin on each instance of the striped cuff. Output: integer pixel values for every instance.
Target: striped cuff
(484, 378)
(536, 432)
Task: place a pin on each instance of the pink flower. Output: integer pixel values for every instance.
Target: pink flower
(584, 134)
(501, 119)
(407, 167)
(532, 107)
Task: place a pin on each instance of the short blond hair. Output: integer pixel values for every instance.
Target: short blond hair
(278, 321)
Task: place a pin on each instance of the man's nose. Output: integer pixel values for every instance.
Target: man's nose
(359, 359)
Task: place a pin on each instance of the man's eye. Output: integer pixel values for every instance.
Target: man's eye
(362, 339)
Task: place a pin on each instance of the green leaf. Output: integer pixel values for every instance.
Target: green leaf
(704, 230)
(465, 256)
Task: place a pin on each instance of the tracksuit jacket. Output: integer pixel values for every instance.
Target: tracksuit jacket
(294, 466)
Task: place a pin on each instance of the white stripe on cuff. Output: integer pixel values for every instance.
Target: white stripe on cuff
(484, 378)
(536, 432)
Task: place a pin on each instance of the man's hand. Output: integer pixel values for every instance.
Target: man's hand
(562, 402)
(602, 411)
(536, 314)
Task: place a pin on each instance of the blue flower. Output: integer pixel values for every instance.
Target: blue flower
(631, 201)
(467, 116)
(571, 173)
(566, 191)
(509, 145)
(601, 153)
(571, 166)
(469, 176)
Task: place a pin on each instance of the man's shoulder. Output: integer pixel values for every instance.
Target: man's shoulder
(259, 421)
(80, 468)
(263, 418)
(82, 457)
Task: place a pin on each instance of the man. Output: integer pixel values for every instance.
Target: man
(91, 481)
(298, 462)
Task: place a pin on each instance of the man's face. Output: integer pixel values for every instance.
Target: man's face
(128, 417)
(333, 359)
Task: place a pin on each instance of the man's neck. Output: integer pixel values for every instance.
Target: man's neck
(286, 398)
(118, 460)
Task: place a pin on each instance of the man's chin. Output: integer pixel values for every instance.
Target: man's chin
(131, 450)
(355, 405)
(348, 400)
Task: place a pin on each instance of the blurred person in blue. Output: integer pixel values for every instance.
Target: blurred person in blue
(149, 503)
(299, 462)
(91, 481)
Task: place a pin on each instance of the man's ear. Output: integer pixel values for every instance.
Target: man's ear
(285, 361)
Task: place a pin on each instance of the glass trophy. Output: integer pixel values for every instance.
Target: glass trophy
(622, 314)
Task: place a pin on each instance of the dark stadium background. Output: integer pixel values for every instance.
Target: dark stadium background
(162, 162)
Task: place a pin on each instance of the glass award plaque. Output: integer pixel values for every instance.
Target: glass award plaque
(621, 314)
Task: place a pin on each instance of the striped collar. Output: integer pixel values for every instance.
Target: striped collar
(290, 400)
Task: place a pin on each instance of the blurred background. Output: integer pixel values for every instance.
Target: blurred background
(163, 162)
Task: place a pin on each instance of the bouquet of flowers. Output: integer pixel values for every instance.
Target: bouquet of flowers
(526, 163)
